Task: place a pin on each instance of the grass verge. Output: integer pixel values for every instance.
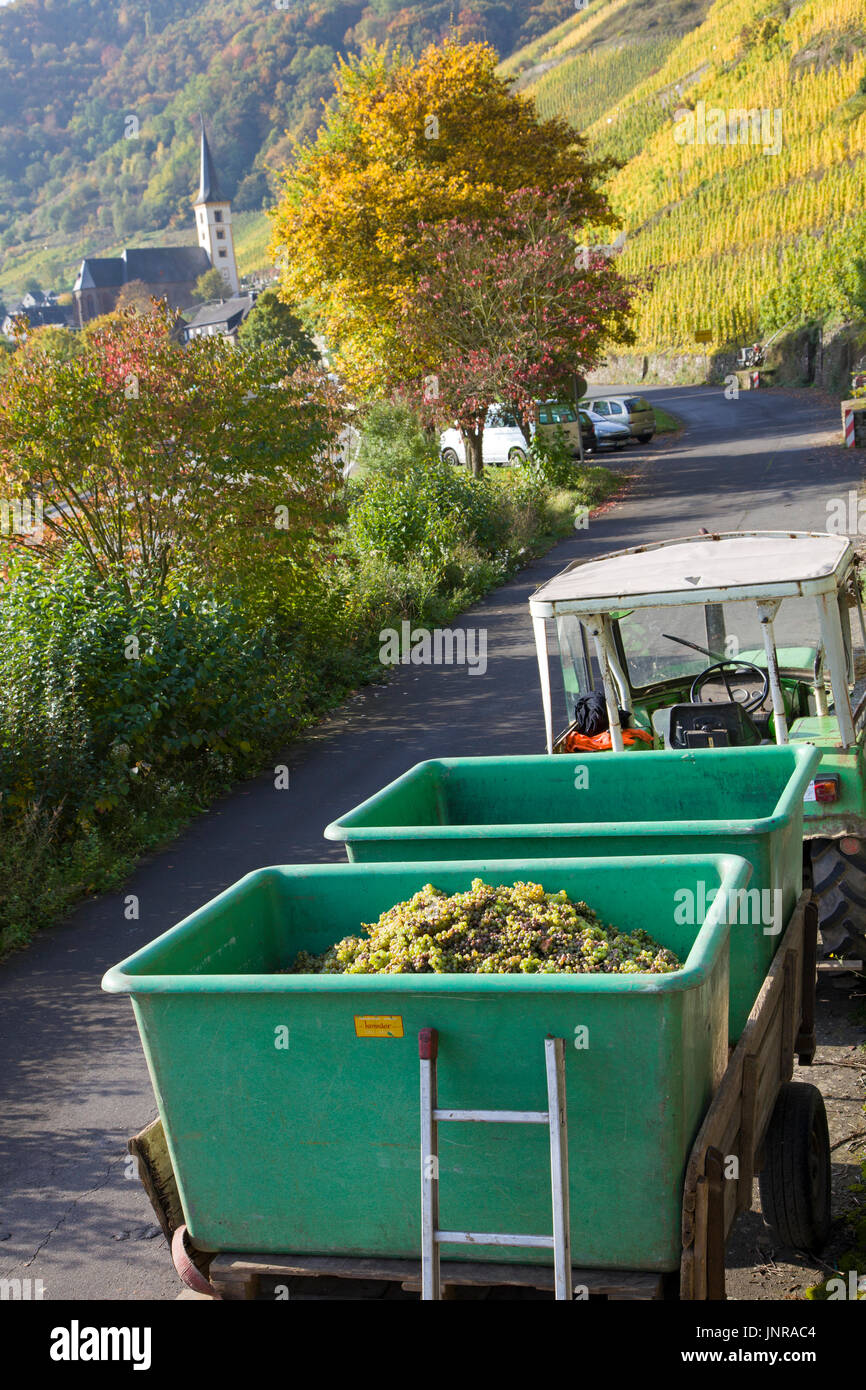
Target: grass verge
(666, 423)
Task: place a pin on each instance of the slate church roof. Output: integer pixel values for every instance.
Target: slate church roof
(100, 272)
(155, 265)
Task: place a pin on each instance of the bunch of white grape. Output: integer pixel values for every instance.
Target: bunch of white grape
(487, 930)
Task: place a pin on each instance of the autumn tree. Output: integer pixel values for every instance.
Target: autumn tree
(135, 295)
(272, 321)
(147, 455)
(406, 143)
(212, 284)
(49, 339)
(510, 311)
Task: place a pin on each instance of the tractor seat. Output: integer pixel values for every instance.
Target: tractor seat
(723, 725)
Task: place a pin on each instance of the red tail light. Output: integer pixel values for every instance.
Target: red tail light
(826, 788)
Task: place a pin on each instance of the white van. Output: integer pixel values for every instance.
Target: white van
(502, 441)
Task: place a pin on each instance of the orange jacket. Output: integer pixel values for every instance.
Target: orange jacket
(599, 743)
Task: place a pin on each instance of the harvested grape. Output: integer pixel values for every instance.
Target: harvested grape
(490, 930)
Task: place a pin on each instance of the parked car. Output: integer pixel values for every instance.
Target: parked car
(587, 429)
(502, 441)
(553, 415)
(633, 411)
(608, 434)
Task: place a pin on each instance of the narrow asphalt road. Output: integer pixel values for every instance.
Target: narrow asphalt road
(76, 1086)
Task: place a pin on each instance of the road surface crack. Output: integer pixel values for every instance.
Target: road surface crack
(97, 1187)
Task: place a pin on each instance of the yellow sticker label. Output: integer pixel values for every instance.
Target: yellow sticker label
(379, 1026)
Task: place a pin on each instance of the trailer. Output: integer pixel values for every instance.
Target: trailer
(650, 1210)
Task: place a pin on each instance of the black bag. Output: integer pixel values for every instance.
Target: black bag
(590, 715)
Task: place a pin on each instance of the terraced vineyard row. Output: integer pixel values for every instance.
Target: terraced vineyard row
(589, 85)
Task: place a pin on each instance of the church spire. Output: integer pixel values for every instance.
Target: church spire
(213, 220)
(208, 188)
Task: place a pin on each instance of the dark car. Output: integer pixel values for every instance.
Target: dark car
(587, 434)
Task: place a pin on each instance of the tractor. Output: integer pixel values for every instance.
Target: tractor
(722, 640)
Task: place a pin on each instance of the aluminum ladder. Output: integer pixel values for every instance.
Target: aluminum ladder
(554, 1117)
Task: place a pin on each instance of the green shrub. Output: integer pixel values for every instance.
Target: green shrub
(550, 459)
(102, 690)
(393, 439)
(417, 512)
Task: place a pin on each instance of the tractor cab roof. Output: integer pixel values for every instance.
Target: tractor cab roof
(700, 569)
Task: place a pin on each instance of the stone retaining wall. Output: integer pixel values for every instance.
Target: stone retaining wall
(807, 357)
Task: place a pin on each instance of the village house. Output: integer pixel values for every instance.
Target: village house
(38, 309)
(223, 317)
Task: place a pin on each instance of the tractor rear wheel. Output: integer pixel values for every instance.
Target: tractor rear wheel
(839, 885)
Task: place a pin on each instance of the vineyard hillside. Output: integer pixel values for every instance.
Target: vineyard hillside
(742, 190)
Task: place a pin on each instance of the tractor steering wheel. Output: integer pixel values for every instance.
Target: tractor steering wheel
(721, 669)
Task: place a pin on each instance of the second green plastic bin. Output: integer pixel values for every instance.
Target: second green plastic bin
(746, 801)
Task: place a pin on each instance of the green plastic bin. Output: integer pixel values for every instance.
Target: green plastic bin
(745, 801)
(289, 1132)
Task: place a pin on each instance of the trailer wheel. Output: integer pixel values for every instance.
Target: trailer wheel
(795, 1179)
(839, 885)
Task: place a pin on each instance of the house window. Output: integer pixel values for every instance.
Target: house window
(223, 252)
(221, 236)
(217, 217)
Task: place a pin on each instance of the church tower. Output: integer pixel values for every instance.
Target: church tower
(213, 218)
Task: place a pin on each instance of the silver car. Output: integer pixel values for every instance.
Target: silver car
(608, 435)
(633, 411)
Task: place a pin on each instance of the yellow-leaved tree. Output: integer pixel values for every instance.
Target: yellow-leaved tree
(406, 144)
